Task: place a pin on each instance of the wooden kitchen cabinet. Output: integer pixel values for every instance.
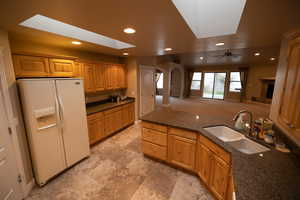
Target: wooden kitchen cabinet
(181, 152)
(61, 67)
(108, 73)
(219, 177)
(30, 66)
(289, 110)
(78, 70)
(125, 115)
(89, 77)
(95, 127)
(204, 163)
(99, 77)
(131, 111)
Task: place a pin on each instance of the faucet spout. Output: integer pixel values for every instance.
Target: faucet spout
(250, 118)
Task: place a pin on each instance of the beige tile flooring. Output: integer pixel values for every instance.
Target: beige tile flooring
(117, 170)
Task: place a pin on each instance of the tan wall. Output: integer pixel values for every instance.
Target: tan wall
(255, 74)
(132, 82)
(22, 46)
(16, 111)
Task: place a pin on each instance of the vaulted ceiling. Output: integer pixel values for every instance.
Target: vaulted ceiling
(158, 25)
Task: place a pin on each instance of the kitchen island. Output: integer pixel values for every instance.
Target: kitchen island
(268, 175)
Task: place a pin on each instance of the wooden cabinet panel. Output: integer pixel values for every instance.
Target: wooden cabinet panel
(78, 70)
(289, 112)
(219, 177)
(95, 128)
(125, 115)
(204, 163)
(155, 137)
(61, 67)
(131, 113)
(89, 77)
(118, 120)
(109, 126)
(154, 150)
(122, 77)
(108, 73)
(230, 190)
(153, 126)
(30, 66)
(99, 77)
(181, 152)
(183, 133)
(215, 149)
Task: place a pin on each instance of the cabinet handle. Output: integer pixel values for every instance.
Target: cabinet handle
(291, 125)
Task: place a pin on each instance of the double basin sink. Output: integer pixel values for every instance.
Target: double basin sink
(236, 140)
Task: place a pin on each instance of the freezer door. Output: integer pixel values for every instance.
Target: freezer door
(40, 110)
(70, 94)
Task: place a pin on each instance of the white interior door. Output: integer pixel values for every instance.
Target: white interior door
(9, 186)
(70, 95)
(147, 90)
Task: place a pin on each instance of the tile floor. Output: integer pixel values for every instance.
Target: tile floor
(117, 170)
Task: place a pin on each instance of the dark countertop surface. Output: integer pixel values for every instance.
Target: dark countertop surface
(276, 175)
(105, 105)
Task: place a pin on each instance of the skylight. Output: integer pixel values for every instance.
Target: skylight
(211, 18)
(47, 24)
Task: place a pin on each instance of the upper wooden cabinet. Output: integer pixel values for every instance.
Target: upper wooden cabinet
(61, 67)
(30, 66)
(89, 77)
(109, 76)
(289, 111)
(285, 109)
(99, 77)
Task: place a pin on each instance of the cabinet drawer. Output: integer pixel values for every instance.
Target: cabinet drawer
(155, 137)
(154, 150)
(153, 126)
(112, 110)
(215, 148)
(98, 115)
(183, 133)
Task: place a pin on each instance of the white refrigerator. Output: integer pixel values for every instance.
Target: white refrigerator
(56, 125)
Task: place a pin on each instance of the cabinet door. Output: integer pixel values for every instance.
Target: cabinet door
(61, 67)
(121, 76)
(109, 126)
(131, 113)
(118, 120)
(30, 66)
(219, 177)
(78, 70)
(108, 73)
(99, 77)
(181, 152)
(289, 114)
(125, 116)
(89, 77)
(204, 163)
(96, 130)
(115, 77)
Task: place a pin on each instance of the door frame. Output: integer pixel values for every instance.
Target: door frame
(203, 75)
(13, 122)
(140, 85)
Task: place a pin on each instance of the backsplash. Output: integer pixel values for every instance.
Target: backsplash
(99, 96)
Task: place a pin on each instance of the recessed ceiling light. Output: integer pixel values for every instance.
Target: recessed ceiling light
(76, 42)
(272, 58)
(125, 54)
(168, 49)
(220, 44)
(50, 25)
(201, 57)
(129, 30)
(257, 54)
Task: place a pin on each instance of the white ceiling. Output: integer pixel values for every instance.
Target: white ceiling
(211, 18)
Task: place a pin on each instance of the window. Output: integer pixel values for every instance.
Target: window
(235, 82)
(196, 81)
(160, 81)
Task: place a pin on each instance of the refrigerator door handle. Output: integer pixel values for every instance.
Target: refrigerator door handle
(61, 113)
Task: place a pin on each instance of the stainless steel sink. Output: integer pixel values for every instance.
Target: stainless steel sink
(247, 146)
(224, 133)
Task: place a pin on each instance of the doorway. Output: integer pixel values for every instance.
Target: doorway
(159, 86)
(214, 85)
(147, 90)
(175, 83)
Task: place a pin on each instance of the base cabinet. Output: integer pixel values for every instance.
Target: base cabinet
(103, 124)
(193, 152)
(181, 152)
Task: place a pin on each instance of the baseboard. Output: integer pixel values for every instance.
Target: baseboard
(137, 121)
(28, 187)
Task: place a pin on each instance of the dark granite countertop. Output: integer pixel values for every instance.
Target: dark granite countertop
(105, 105)
(276, 175)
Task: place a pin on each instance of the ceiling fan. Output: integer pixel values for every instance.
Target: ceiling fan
(228, 54)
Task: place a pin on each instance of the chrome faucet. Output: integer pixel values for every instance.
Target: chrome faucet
(250, 117)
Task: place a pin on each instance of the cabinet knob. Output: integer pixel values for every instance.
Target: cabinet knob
(291, 125)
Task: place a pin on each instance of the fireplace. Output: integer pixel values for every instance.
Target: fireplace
(267, 89)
